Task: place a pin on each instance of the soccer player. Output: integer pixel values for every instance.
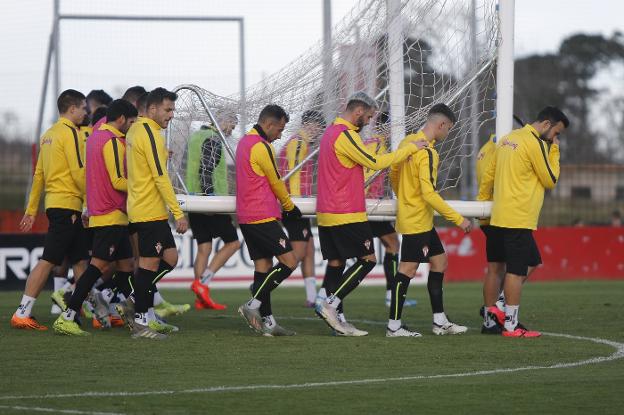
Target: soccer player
(97, 98)
(522, 168)
(493, 311)
(414, 182)
(106, 200)
(133, 94)
(300, 184)
(384, 230)
(60, 172)
(206, 173)
(150, 193)
(258, 189)
(344, 231)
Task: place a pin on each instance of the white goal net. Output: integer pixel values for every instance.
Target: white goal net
(449, 49)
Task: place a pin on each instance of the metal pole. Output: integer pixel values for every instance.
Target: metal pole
(474, 125)
(57, 50)
(505, 68)
(395, 66)
(44, 88)
(328, 110)
(243, 85)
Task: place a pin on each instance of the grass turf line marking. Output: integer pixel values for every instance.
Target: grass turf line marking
(618, 354)
(54, 410)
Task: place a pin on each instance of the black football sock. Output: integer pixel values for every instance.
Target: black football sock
(399, 291)
(83, 287)
(142, 283)
(273, 278)
(332, 278)
(353, 276)
(390, 268)
(121, 279)
(434, 286)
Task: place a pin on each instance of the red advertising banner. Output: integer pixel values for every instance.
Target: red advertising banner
(567, 253)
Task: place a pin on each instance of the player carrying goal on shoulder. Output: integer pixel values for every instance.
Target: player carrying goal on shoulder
(414, 182)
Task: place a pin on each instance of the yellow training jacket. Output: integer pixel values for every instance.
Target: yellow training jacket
(414, 182)
(485, 156)
(149, 189)
(517, 176)
(60, 169)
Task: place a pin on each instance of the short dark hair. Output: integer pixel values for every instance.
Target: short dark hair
(99, 96)
(273, 111)
(120, 107)
(133, 93)
(554, 115)
(158, 95)
(361, 99)
(443, 109)
(98, 114)
(311, 116)
(68, 98)
(142, 103)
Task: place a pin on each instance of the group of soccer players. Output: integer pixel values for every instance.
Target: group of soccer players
(113, 178)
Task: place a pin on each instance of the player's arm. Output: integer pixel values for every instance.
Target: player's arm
(394, 178)
(545, 162)
(424, 161)
(208, 150)
(263, 163)
(114, 154)
(349, 144)
(156, 156)
(73, 150)
(35, 189)
(486, 186)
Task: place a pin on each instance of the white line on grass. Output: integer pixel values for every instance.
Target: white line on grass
(618, 354)
(54, 410)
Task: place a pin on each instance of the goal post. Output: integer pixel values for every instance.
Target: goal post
(436, 41)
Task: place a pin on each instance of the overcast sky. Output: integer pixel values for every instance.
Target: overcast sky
(206, 54)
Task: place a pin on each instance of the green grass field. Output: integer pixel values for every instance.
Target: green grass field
(216, 365)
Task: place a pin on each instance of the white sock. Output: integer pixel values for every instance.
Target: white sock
(69, 314)
(254, 304)
(140, 318)
(500, 303)
(108, 295)
(151, 315)
(25, 307)
(394, 325)
(388, 295)
(333, 301)
(59, 283)
(322, 293)
(511, 317)
(99, 282)
(310, 288)
(207, 276)
(158, 299)
(67, 287)
(269, 321)
(342, 318)
(440, 319)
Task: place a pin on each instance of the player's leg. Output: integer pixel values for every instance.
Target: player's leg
(439, 263)
(264, 241)
(493, 317)
(61, 231)
(62, 287)
(400, 283)
(309, 275)
(354, 240)
(522, 255)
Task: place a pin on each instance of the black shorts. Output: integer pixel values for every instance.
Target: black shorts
(265, 240)
(352, 240)
(298, 229)
(66, 237)
(131, 228)
(380, 229)
(419, 247)
(515, 247)
(208, 227)
(111, 243)
(491, 248)
(154, 238)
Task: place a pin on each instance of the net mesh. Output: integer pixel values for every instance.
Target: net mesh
(448, 56)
